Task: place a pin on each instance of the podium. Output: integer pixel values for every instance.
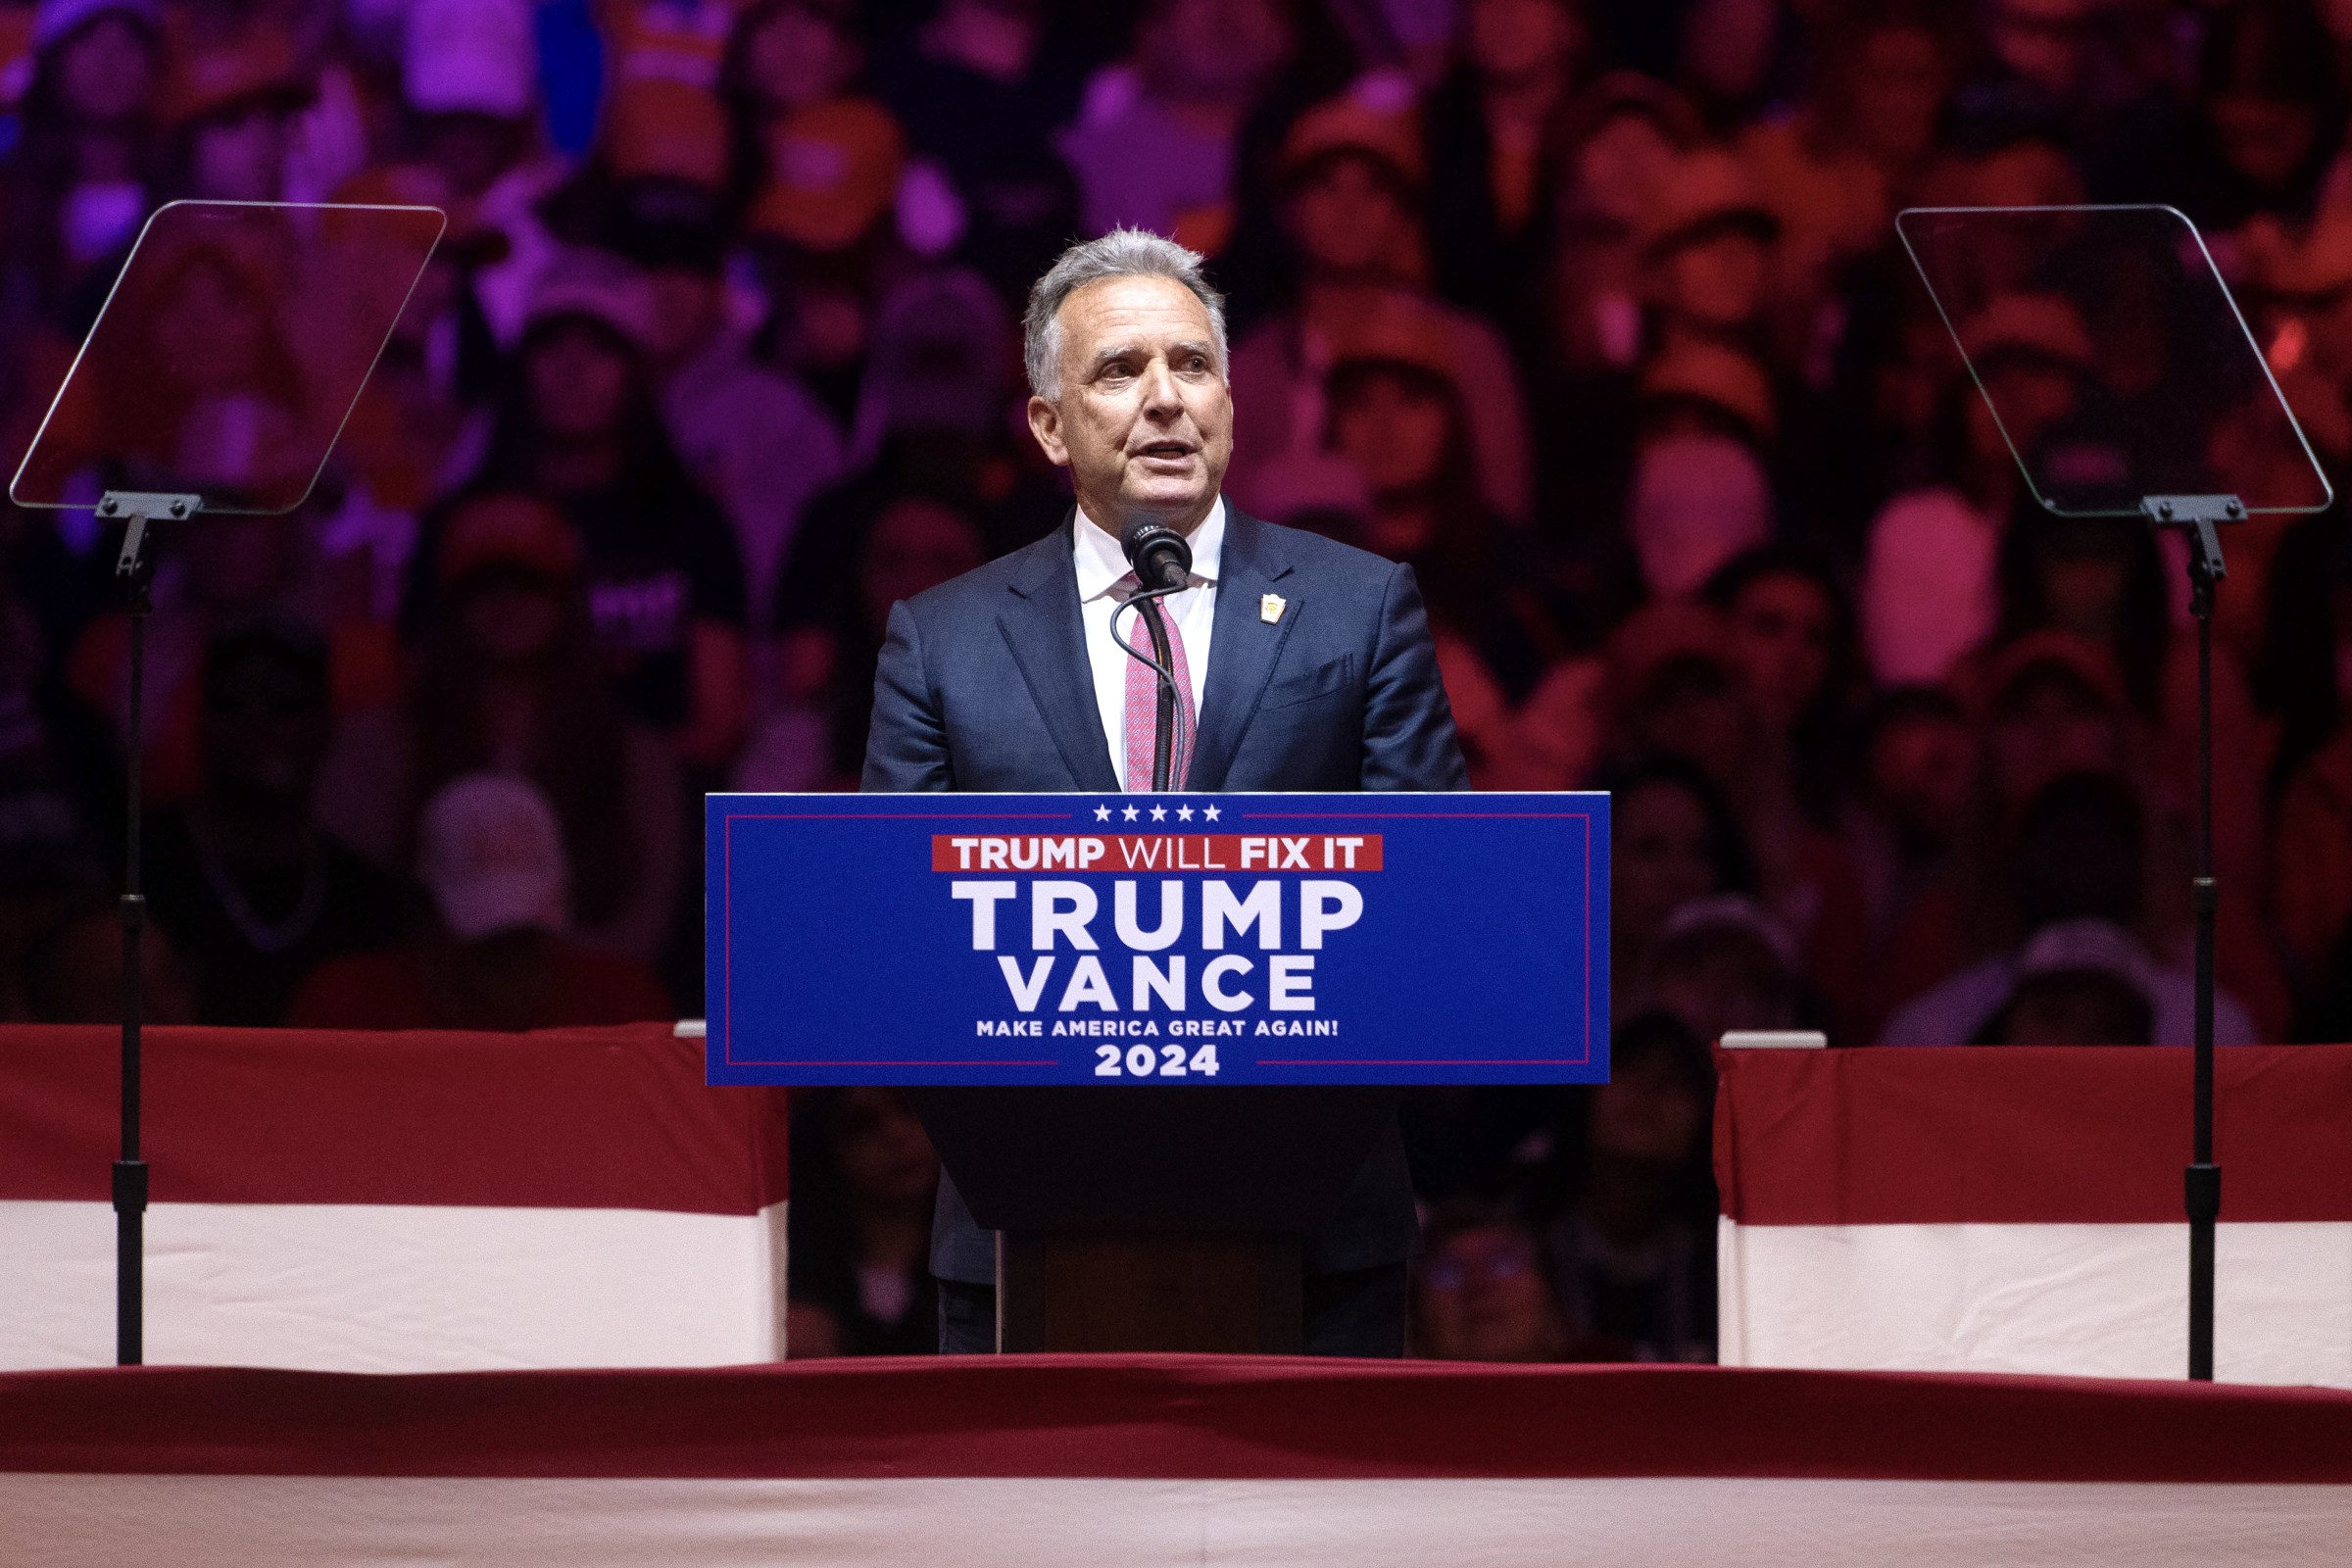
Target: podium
(1156, 1219)
(1157, 1039)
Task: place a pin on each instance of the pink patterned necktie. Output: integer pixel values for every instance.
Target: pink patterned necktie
(1143, 694)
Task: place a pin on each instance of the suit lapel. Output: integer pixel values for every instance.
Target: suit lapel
(1041, 624)
(1242, 652)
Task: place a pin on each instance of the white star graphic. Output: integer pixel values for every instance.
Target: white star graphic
(1183, 813)
(1160, 814)
(1210, 811)
(1128, 815)
(1101, 813)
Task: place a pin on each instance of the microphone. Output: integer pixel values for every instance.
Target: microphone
(1159, 554)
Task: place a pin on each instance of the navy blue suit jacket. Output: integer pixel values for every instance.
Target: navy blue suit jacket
(984, 684)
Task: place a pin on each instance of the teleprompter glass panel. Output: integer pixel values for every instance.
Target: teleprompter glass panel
(2112, 357)
(229, 354)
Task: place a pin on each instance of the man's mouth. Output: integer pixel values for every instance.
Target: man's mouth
(1167, 450)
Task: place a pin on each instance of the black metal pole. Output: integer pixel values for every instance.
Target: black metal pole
(130, 1170)
(2203, 1180)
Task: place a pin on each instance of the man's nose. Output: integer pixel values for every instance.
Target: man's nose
(1160, 389)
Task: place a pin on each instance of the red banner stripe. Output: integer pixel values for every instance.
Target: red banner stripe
(2015, 1135)
(575, 1118)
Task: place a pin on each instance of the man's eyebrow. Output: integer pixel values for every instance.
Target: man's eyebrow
(1121, 351)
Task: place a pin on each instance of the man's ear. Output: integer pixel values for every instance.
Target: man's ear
(1045, 424)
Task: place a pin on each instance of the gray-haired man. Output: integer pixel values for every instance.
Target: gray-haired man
(1301, 665)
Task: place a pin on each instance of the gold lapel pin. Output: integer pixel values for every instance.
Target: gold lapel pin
(1270, 607)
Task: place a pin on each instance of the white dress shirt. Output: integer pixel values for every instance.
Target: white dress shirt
(1192, 612)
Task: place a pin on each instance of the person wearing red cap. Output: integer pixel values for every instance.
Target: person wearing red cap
(495, 955)
(1353, 176)
(1486, 128)
(579, 424)
(507, 678)
(87, 161)
(1153, 146)
(231, 104)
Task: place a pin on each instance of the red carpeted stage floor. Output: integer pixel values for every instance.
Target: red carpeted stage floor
(1047, 1461)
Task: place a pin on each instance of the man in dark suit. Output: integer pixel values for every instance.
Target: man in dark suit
(1299, 664)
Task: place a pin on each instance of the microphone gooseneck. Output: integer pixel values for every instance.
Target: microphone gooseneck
(1164, 564)
(1162, 557)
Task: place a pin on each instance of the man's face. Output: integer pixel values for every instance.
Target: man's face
(1347, 221)
(1718, 282)
(578, 377)
(241, 156)
(1144, 419)
(263, 734)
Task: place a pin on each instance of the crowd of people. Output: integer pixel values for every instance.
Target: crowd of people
(1594, 310)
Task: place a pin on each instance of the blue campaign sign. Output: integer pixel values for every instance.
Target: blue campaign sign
(1115, 939)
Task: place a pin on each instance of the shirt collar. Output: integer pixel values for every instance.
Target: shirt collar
(1101, 563)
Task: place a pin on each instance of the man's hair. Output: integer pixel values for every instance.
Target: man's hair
(1121, 253)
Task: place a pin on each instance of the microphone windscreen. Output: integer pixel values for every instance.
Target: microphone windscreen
(1162, 557)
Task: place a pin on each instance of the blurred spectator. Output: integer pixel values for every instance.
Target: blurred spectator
(1397, 417)
(939, 366)
(2079, 853)
(1915, 754)
(469, 81)
(918, 537)
(1484, 1291)
(490, 851)
(1696, 501)
(1677, 687)
(1152, 146)
(1791, 633)
(1672, 841)
(931, 426)
(1486, 129)
(87, 162)
(753, 437)
(1709, 247)
(1354, 177)
(1633, 1268)
(2270, 115)
(2080, 983)
(509, 680)
(72, 972)
(863, 1178)
(980, 89)
(231, 106)
(1836, 170)
(1721, 964)
(2103, 580)
(822, 167)
(1613, 151)
(578, 424)
(50, 862)
(241, 879)
(408, 427)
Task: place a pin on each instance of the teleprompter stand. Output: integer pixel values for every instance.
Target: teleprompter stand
(2199, 519)
(277, 314)
(2127, 384)
(134, 568)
